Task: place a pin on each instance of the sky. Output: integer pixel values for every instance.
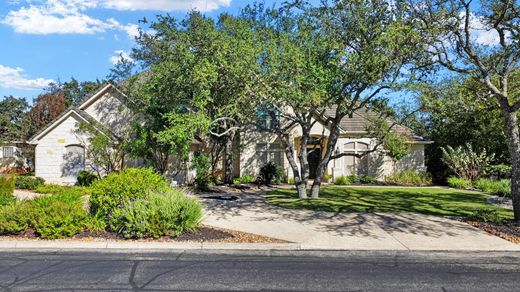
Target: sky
(43, 41)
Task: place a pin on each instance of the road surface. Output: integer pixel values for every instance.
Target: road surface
(165, 271)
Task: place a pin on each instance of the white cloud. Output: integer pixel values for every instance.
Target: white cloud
(69, 16)
(120, 54)
(56, 17)
(14, 78)
(481, 33)
(164, 5)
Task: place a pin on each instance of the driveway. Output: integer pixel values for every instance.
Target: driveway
(354, 231)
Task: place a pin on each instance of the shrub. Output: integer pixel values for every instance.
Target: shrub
(52, 216)
(459, 183)
(26, 182)
(55, 189)
(354, 179)
(15, 218)
(409, 177)
(291, 181)
(367, 179)
(59, 219)
(118, 188)
(485, 215)
(201, 164)
(159, 214)
(246, 179)
(500, 171)
(86, 178)
(341, 180)
(497, 187)
(464, 162)
(270, 173)
(7, 183)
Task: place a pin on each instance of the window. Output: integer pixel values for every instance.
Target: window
(272, 152)
(265, 119)
(355, 165)
(8, 152)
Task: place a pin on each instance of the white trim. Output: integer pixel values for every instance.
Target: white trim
(95, 96)
(55, 124)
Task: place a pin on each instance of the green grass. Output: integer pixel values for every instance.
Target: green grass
(430, 201)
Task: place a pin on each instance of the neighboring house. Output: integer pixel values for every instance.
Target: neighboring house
(15, 156)
(60, 151)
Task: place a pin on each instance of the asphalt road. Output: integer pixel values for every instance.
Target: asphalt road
(355, 271)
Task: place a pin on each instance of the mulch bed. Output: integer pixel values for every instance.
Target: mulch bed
(201, 234)
(507, 230)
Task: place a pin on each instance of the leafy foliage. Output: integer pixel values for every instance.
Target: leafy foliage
(159, 214)
(7, 183)
(86, 178)
(486, 215)
(14, 125)
(26, 182)
(246, 179)
(118, 188)
(459, 183)
(496, 187)
(270, 173)
(409, 177)
(499, 171)
(466, 163)
(201, 165)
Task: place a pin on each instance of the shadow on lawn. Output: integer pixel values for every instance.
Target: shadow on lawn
(361, 219)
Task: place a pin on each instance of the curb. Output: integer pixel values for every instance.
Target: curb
(137, 245)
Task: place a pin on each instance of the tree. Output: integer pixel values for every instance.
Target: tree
(196, 72)
(74, 92)
(450, 32)
(13, 119)
(453, 115)
(46, 107)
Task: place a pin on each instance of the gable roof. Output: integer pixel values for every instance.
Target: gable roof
(358, 122)
(65, 114)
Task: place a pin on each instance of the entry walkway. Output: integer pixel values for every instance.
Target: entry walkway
(353, 231)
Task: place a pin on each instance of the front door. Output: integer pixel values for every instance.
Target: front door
(313, 158)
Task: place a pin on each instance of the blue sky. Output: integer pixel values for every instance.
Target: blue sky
(47, 40)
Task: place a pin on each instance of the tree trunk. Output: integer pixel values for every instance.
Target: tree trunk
(513, 143)
(228, 159)
(324, 162)
(299, 182)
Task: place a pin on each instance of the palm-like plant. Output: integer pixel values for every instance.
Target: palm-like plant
(466, 163)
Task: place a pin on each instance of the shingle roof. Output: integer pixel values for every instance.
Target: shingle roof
(359, 122)
(81, 113)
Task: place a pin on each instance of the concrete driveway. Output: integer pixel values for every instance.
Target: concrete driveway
(353, 231)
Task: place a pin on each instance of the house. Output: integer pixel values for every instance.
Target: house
(60, 149)
(15, 156)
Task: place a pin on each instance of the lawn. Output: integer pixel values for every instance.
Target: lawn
(431, 201)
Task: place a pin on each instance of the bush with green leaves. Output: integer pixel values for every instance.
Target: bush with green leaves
(341, 180)
(55, 189)
(459, 183)
(486, 215)
(369, 180)
(7, 183)
(168, 214)
(499, 171)
(59, 216)
(466, 163)
(51, 216)
(118, 188)
(202, 165)
(86, 178)
(270, 173)
(26, 182)
(496, 187)
(409, 177)
(246, 179)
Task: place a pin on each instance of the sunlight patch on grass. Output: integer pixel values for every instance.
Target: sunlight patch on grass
(430, 201)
